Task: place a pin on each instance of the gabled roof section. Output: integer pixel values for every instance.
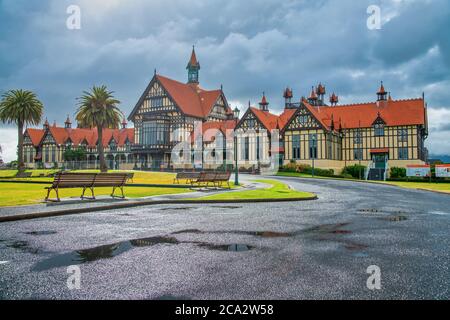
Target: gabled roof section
(283, 119)
(393, 113)
(36, 135)
(268, 120)
(190, 98)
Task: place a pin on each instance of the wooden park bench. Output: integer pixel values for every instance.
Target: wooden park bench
(87, 181)
(216, 178)
(23, 175)
(221, 178)
(186, 176)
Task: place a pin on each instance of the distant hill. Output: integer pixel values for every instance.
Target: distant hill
(443, 158)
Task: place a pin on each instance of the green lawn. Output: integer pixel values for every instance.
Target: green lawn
(277, 190)
(442, 187)
(15, 194)
(140, 177)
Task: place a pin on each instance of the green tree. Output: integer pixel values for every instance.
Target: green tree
(21, 107)
(98, 109)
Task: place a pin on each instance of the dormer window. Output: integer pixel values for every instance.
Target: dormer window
(113, 145)
(379, 129)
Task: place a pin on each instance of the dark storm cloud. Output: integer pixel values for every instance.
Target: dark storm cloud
(248, 46)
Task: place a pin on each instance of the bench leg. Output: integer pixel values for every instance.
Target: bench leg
(48, 195)
(121, 190)
(92, 192)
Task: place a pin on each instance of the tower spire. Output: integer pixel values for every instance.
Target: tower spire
(193, 67)
(264, 105)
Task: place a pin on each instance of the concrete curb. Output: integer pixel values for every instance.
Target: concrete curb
(134, 204)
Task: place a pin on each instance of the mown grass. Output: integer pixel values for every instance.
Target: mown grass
(140, 177)
(442, 187)
(17, 194)
(277, 190)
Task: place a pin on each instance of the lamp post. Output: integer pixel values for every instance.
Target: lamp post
(236, 169)
(313, 138)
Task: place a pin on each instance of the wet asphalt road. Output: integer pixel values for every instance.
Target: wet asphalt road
(300, 250)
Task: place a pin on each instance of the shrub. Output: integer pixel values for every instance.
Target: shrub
(397, 172)
(355, 171)
(317, 171)
(291, 167)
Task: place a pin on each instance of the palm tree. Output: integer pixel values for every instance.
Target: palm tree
(98, 109)
(21, 107)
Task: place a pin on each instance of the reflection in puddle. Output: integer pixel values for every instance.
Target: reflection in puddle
(226, 247)
(41, 233)
(394, 218)
(360, 255)
(263, 234)
(440, 213)
(97, 253)
(177, 209)
(113, 250)
(23, 246)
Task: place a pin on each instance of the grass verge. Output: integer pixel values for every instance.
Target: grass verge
(276, 191)
(18, 194)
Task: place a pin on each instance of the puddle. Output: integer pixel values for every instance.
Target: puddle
(360, 255)
(194, 231)
(329, 228)
(98, 253)
(440, 213)
(116, 249)
(394, 218)
(23, 246)
(177, 209)
(226, 247)
(226, 207)
(41, 233)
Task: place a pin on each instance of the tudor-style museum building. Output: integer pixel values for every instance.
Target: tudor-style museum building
(379, 134)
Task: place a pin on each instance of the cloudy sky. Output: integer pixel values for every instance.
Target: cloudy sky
(248, 46)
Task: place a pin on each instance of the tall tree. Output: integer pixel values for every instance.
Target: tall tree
(21, 107)
(98, 109)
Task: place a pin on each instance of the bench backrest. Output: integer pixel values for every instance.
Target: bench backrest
(67, 180)
(110, 179)
(188, 175)
(207, 176)
(223, 176)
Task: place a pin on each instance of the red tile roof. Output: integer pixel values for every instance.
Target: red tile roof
(268, 120)
(210, 128)
(394, 113)
(191, 99)
(79, 135)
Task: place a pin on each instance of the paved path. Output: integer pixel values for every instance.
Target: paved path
(308, 250)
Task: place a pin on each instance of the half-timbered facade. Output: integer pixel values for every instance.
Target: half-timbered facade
(258, 136)
(46, 147)
(382, 134)
(167, 113)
